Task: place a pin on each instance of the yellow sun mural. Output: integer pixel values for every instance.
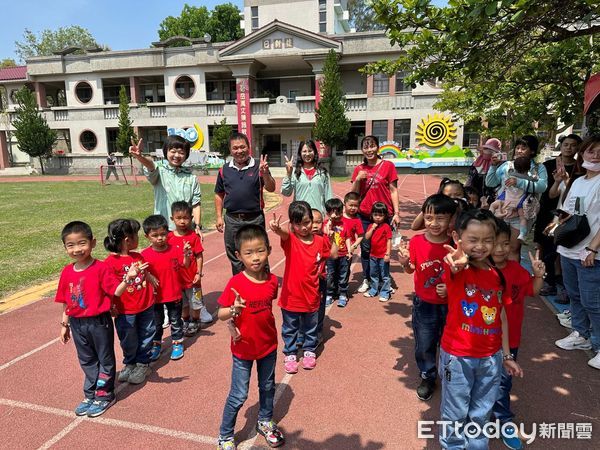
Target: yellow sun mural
(436, 131)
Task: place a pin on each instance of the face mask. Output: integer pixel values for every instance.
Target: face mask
(594, 167)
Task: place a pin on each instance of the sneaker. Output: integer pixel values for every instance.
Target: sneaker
(369, 295)
(566, 314)
(125, 373)
(205, 316)
(270, 431)
(290, 365)
(192, 328)
(426, 389)
(226, 445)
(342, 301)
(364, 287)
(595, 361)
(548, 290)
(510, 438)
(521, 238)
(574, 341)
(309, 361)
(563, 298)
(99, 407)
(177, 350)
(155, 352)
(139, 374)
(186, 324)
(566, 323)
(83, 407)
(384, 299)
(328, 300)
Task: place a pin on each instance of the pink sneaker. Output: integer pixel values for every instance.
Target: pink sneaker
(290, 365)
(309, 361)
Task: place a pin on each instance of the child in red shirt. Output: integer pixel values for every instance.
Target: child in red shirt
(379, 234)
(164, 264)
(305, 255)
(519, 284)
(474, 344)
(246, 303)
(134, 309)
(425, 258)
(338, 264)
(191, 277)
(86, 287)
(353, 228)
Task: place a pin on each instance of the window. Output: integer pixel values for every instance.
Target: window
(254, 17)
(84, 92)
(111, 139)
(471, 136)
(380, 130)
(322, 16)
(381, 84)
(111, 94)
(402, 132)
(401, 87)
(88, 140)
(185, 87)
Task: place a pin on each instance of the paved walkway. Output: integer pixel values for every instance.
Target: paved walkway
(360, 396)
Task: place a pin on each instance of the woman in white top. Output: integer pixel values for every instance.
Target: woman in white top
(581, 263)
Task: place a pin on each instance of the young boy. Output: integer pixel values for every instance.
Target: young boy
(338, 265)
(191, 277)
(86, 288)
(164, 264)
(520, 284)
(246, 302)
(353, 228)
(425, 257)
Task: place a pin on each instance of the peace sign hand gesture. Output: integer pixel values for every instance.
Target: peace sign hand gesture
(136, 149)
(538, 266)
(275, 224)
(239, 303)
(263, 166)
(289, 165)
(456, 258)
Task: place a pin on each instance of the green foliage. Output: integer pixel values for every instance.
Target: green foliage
(331, 124)
(362, 16)
(509, 62)
(31, 129)
(220, 138)
(7, 62)
(48, 41)
(222, 23)
(125, 123)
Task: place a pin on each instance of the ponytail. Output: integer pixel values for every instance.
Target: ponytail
(118, 230)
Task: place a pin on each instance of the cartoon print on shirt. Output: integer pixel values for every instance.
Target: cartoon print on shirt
(77, 298)
(487, 294)
(470, 290)
(469, 308)
(436, 270)
(488, 314)
(139, 282)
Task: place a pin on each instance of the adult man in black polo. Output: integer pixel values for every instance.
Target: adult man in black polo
(239, 190)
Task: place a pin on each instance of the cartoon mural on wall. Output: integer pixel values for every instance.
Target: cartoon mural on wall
(198, 157)
(435, 135)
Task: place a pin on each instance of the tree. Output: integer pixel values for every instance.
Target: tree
(331, 124)
(223, 24)
(48, 41)
(126, 132)
(220, 139)
(523, 59)
(7, 62)
(362, 16)
(33, 134)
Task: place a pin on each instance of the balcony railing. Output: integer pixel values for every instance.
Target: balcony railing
(356, 102)
(61, 115)
(111, 113)
(215, 109)
(158, 111)
(403, 101)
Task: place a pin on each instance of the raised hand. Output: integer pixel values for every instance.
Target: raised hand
(456, 258)
(484, 202)
(136, 149)
(560, 174)
(289, 165)
(239, 303)
(275, 223)
(538, 266)
(135, 269)
(403, 252)
(263, 166)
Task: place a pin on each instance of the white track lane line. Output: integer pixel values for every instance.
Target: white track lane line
(29, 353)
(61, 434)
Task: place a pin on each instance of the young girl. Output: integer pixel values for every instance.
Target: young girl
(475, 340)
(135, 307)
(380, 235)
(305, 255)
(452, 188)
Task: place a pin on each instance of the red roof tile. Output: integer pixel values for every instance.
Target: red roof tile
(13, 73)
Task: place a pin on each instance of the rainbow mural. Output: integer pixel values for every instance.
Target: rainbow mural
(425, 157)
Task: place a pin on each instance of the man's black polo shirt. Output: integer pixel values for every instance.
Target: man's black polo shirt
(242, 187)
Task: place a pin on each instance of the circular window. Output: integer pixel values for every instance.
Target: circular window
(84, 91)
(184, 87)
(88, 140)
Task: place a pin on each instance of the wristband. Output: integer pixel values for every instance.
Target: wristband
(234, 313)
(199, 226)
(65, 324)
(595, 252)
(508, 357)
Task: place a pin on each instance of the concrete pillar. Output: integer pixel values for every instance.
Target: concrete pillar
(134, 90)
(390, 130)
(369, 85)
(4, 157)
(392, 85)
(40, 95)
(368, 127)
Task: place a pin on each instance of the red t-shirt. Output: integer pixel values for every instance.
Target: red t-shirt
(187, 274)
(303, 264)
(380, 185)
(165, 266)
(520, 285)
(138, 296)
(339, 236)
(379, 240)
(256, 322)
(87, 293)
(352, 228)
(475, 300)
(427, 258)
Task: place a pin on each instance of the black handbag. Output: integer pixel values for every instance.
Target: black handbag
(573, 230)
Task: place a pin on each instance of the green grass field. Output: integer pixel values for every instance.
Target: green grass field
(33, 215)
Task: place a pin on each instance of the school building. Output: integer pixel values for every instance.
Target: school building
(266, 84)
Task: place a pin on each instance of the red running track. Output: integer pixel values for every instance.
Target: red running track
(360, 396)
